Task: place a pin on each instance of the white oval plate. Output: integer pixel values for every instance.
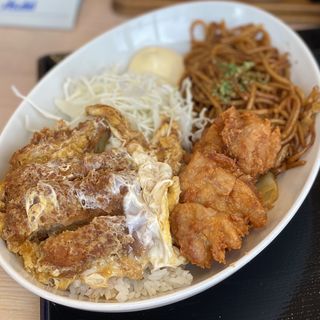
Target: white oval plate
(169, 28)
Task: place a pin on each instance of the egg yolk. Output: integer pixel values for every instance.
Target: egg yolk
(162, 62)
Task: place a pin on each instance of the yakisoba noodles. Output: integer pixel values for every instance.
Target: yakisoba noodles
(239, 67)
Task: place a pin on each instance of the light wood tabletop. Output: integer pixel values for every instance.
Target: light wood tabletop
(19, 51)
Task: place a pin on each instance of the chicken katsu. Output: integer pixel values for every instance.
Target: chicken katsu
(44, 198)
(62, 142)
(104, 244)
(75, 206)
(167, 146)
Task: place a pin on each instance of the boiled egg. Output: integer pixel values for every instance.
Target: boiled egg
(163, 62)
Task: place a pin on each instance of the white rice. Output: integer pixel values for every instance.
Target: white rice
(124, 289)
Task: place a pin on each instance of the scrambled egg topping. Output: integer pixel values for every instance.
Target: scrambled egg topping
(159, 191)
(38, 201)
(146, 206)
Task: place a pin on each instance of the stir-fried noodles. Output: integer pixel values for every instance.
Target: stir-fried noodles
(239, 67)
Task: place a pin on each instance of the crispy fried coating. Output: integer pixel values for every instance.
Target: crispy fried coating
(65, 194)
(71, 252)
(219, 199)
(205, 234)
(61, 142)
(118, 124)
(245, 137)
(211, 139)
(251, 141)
(42, 199)
(215, 181)
(167, 146)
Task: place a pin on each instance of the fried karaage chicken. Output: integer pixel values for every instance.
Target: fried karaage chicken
(245, 137)
(204, 234)
(215, 181)
(211, 139)
(251, 141)
(219, 200)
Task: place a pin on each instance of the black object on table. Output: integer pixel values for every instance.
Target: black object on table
(281, 283)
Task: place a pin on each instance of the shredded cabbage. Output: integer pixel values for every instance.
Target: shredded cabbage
(142, 98)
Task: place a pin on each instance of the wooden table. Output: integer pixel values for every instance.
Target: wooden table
(19, 51)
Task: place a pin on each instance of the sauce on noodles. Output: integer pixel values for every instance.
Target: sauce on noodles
(239, 67)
